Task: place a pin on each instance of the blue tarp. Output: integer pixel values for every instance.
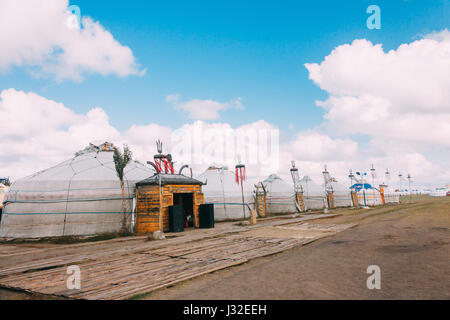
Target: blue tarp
(359, 186)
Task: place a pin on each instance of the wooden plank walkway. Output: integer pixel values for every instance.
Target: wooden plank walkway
(119, 277)
(121, 271)
(22, 258)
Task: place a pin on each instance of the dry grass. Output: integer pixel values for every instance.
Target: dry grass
(68, 239)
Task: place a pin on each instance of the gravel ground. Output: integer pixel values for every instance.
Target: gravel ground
(410, 244)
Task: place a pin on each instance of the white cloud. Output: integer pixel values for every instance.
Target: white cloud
(202, 109)
(35, 34)
(314, 146)
(398, 95)
(142, 140)
(399, 99)
(377, 117)
(413, 78)
(38, 133)
(439, 35)
(201, 144)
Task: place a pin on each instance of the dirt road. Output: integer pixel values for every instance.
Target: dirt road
(124, 267)
(409, 243)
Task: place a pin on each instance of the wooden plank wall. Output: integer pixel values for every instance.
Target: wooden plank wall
(147, 205)
(355, 199)
(198, 200)
(383, 200)
(147, 208)
(300, 201)
(261, 204)
(330, 199)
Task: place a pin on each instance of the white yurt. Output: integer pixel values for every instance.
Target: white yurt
(80, 196)
(222, 190)
(280, 195)
(3, 191)
(342, 194)
(313, 194)
(367, 195)
(390, 196)
(440, 192)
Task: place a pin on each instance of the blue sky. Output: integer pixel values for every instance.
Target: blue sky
(384, 106)
(222, 50)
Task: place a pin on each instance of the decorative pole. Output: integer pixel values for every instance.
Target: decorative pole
(387, 177)
(363, 185)
(374, 175)
(294, 174)
(162, 162)
(159, 148)
(240, 178)
(326, 179)
(352, 191)
(351, 176)
(409, 187)
(297, 188)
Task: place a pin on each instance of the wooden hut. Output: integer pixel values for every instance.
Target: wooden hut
(162, 191)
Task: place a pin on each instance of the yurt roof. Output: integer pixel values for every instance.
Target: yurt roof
(91, 163)
(214, 176)
(275, 183)
(273, 177)
(309, 185)
(219, 178)
(337, 186)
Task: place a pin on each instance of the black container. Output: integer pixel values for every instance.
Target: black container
(206, 215)
(176, 219)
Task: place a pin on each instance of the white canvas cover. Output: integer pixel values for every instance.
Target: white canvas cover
(369, 197)
(440, 192)
(280, 195)
(342, 194)
(80, 196)
(3, 190)
(390, 196)
(222, 190)
(313, 194)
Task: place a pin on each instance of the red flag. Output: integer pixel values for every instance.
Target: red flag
(240, 173)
